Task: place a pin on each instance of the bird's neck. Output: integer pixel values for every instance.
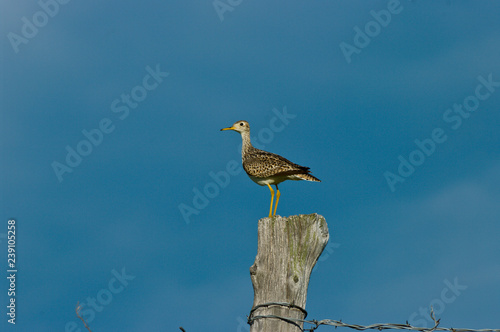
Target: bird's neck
(246, 144)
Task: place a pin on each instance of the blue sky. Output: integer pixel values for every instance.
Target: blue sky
(140, 91)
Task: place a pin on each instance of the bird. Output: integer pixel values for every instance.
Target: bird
(266, 168)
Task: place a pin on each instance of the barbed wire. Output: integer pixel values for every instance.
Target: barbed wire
(77, 310)
(382, 326)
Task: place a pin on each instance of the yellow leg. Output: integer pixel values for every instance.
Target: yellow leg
(272, 199)
(278, 194)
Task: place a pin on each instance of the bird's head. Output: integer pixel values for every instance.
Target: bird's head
(239, 126)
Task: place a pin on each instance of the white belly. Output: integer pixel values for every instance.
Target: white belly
(273, 179)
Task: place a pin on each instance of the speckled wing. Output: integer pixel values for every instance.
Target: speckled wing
(263, 164)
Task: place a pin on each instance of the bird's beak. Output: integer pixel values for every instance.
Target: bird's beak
(230, 128)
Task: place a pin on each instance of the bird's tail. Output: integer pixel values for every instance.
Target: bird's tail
(307, 177)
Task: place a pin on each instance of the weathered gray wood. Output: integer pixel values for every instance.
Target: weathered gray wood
(288, 249)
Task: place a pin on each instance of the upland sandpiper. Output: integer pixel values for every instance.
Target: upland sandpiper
(265, 168)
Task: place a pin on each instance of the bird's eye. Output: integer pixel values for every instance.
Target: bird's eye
(241, 124)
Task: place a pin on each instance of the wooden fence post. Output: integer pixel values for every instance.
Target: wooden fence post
(288, 249)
